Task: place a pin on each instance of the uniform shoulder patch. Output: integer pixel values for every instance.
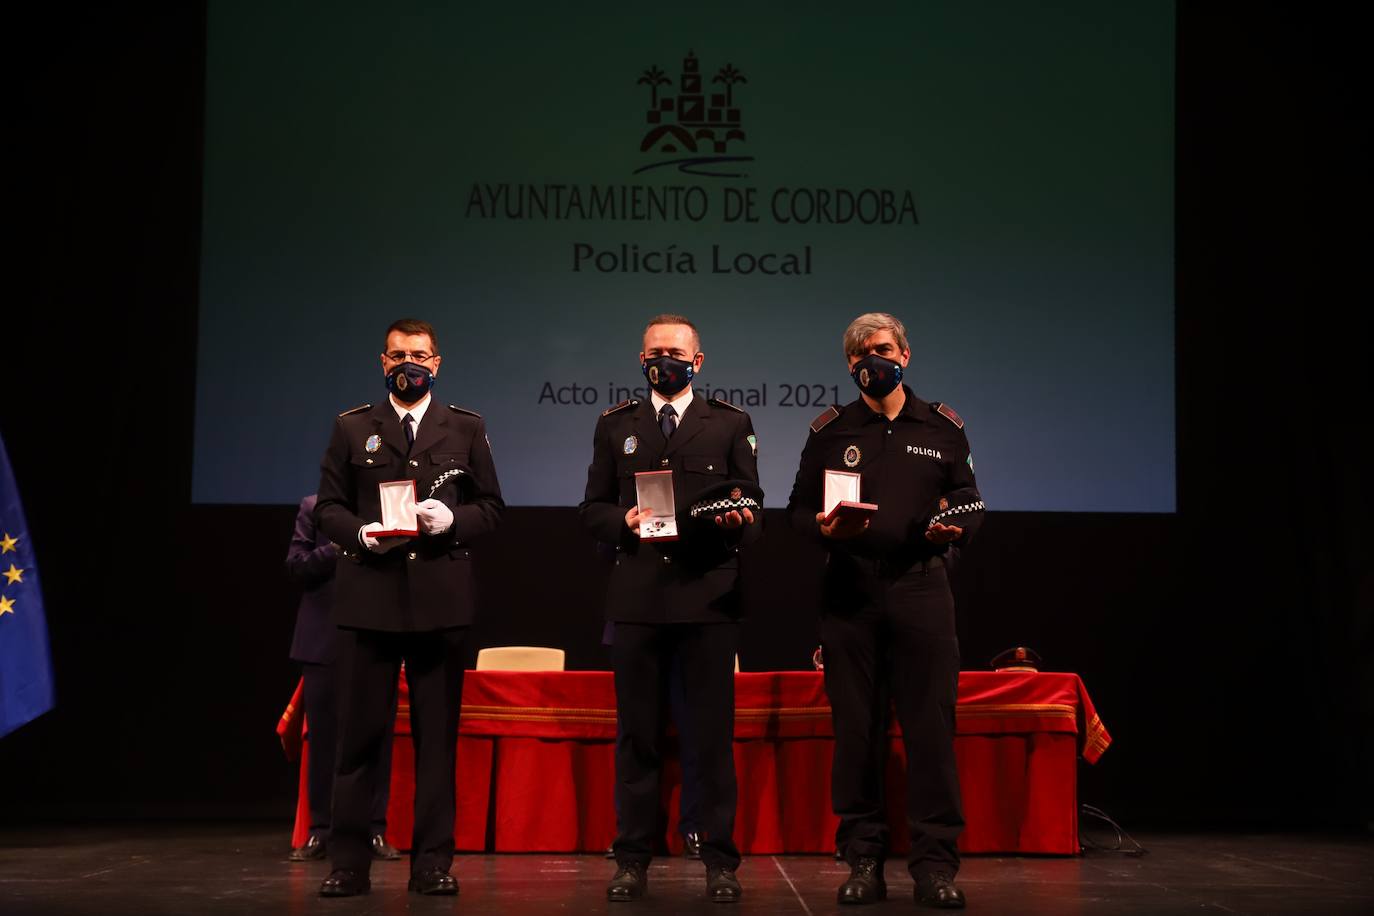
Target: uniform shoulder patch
(632, 402)
(820, 422)
(717, 402)
(948, 413)
(463, 410)
(359, 409)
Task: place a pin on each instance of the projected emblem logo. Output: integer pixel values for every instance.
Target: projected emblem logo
(696, 123)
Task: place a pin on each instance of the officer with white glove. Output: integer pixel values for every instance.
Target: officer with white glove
(434, 516)
(413, 604)
(376, 544)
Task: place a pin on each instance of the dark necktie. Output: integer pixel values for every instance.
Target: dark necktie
(667, 420)
(409, 423)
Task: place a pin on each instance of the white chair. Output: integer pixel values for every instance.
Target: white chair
(520, 658)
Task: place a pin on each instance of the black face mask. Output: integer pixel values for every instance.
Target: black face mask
(409, 382)
(668, 376)
(875, 376)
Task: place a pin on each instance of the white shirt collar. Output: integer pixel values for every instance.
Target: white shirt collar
(680, 405)
(416, 410)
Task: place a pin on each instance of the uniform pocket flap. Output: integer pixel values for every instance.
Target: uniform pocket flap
(703, 465)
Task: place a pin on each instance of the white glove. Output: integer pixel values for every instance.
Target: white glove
(434, 516)
(377, 545)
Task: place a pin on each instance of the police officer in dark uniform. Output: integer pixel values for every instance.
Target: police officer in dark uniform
(403, 599)
(311, 560)
(887, 626)
(673, 602)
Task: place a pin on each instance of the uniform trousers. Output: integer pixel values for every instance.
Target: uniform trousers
(321, 721)
(891, 640)
(369, 664)
(643, 657)
(688, 752)
(687, 749)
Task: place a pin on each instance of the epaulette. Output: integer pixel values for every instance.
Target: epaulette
(948, 413)
(471, 413)
(632, 402)
(717, 402)
(820, 422)
(359, 409)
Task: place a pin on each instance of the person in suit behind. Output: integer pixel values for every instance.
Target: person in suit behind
(310, 562)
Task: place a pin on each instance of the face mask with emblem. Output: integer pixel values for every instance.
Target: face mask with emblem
(875, 376)
(409, 382)
(668, 376)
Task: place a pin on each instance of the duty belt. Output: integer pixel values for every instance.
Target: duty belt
(895, 567)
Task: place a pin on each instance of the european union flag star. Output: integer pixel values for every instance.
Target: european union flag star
(26, 687)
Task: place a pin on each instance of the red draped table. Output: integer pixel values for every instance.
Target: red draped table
(536, 766)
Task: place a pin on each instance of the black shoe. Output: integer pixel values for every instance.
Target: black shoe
(937, 890)
(381, 849)
(436, 882)
(345, 882)
(691, 845)
(722, 886)
(629, 883)
(866, 883)
(313, 849)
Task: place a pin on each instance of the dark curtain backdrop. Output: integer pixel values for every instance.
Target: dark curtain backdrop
(1228, 647)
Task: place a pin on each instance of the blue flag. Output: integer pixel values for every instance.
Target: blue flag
(25, 667)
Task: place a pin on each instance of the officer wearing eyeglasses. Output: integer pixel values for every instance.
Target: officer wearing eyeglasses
(403, 599)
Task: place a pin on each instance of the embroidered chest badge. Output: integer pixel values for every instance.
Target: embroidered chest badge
(852, 455)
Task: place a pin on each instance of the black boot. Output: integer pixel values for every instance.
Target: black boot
(866, 883)
(722, 886)
(629, 883)
(937, 890)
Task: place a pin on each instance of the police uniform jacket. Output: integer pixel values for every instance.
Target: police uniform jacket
(913, 467)
(694, 579)
(427, 583)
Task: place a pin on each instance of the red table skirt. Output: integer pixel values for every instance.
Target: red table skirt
(536, 765)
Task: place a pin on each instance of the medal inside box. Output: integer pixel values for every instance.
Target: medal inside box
(654, 490)
(841, 497)
(399, 517)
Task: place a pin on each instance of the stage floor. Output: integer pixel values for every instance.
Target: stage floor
(181, 868)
